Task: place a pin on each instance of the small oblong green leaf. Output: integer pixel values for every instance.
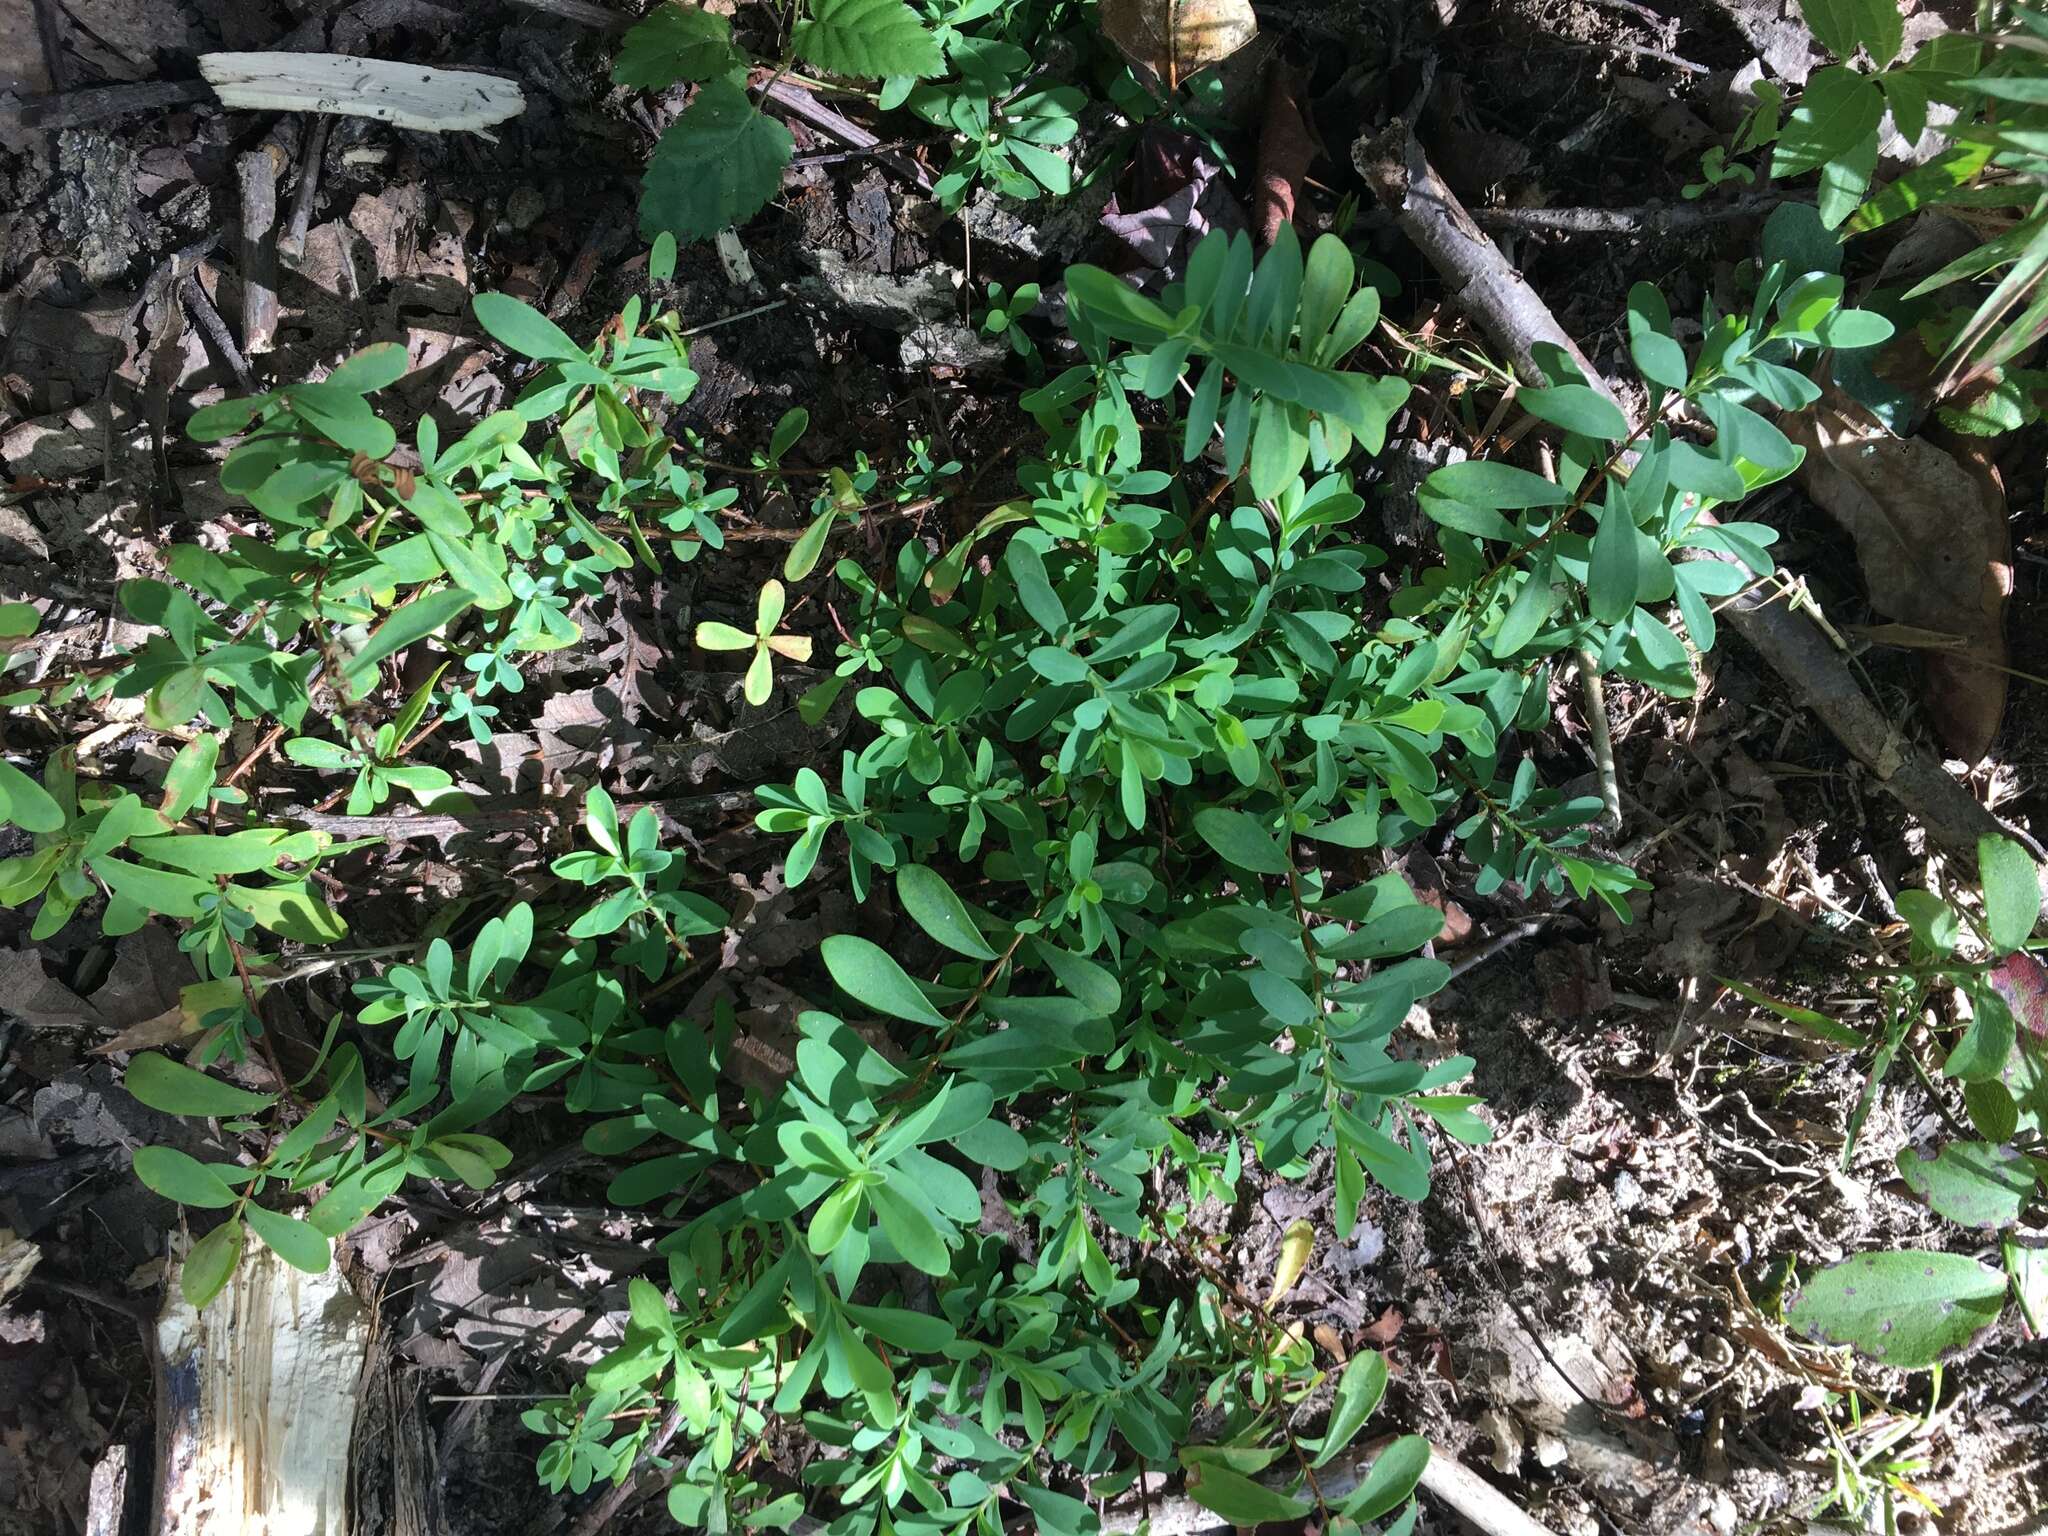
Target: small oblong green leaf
(2012, 892)
(1502, 487)
(1240, 1500)
(177, 1176)
(866, 972)
(935, 908)
(406, 626)
(1241, 840)
(212, 1260)
(1390, 1480)
(525, 329)
(26, 803)
(1971, 1183)
(1359, 1391)
(1577, 408)
(177, 1089)
(299, 1244)
(809, 548)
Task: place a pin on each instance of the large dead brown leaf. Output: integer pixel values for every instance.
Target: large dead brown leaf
(1931, 536)
(1174, 38)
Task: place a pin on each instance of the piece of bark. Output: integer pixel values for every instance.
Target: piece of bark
(256, 1401)
(1480, 278)
(1286, 148)
(256, 175)
(106, 1506)
(1511, 315)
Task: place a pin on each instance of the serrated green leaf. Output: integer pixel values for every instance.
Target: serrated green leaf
(869, 38)
(1837, 111)
(1843, 26)
(717, 165)
(675, 43)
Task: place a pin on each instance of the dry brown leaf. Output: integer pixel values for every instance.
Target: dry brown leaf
(1931, 536)
(1174, 38)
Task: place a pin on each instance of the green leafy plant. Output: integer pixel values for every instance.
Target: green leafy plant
(1912, 1308)
(721, 161)
(1982, 313)
(764, 642)
(1128, 755)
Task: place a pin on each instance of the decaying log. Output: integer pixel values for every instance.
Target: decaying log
(256, 1399)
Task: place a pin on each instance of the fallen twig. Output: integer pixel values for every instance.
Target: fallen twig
(1645, 220)
(799, 101)
(74, 109)
(1480, 278)
(1600, 737)
(203, 310)
(291, 245)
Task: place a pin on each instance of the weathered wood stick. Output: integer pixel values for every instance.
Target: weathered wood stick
(256, 174)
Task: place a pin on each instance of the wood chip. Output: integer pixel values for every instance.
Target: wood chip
(404, 95)
(256, 1402)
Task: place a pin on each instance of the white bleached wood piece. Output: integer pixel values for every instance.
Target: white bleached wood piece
(256, 1402)
(404, 95)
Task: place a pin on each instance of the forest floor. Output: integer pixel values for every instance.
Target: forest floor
(1574, 1315)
